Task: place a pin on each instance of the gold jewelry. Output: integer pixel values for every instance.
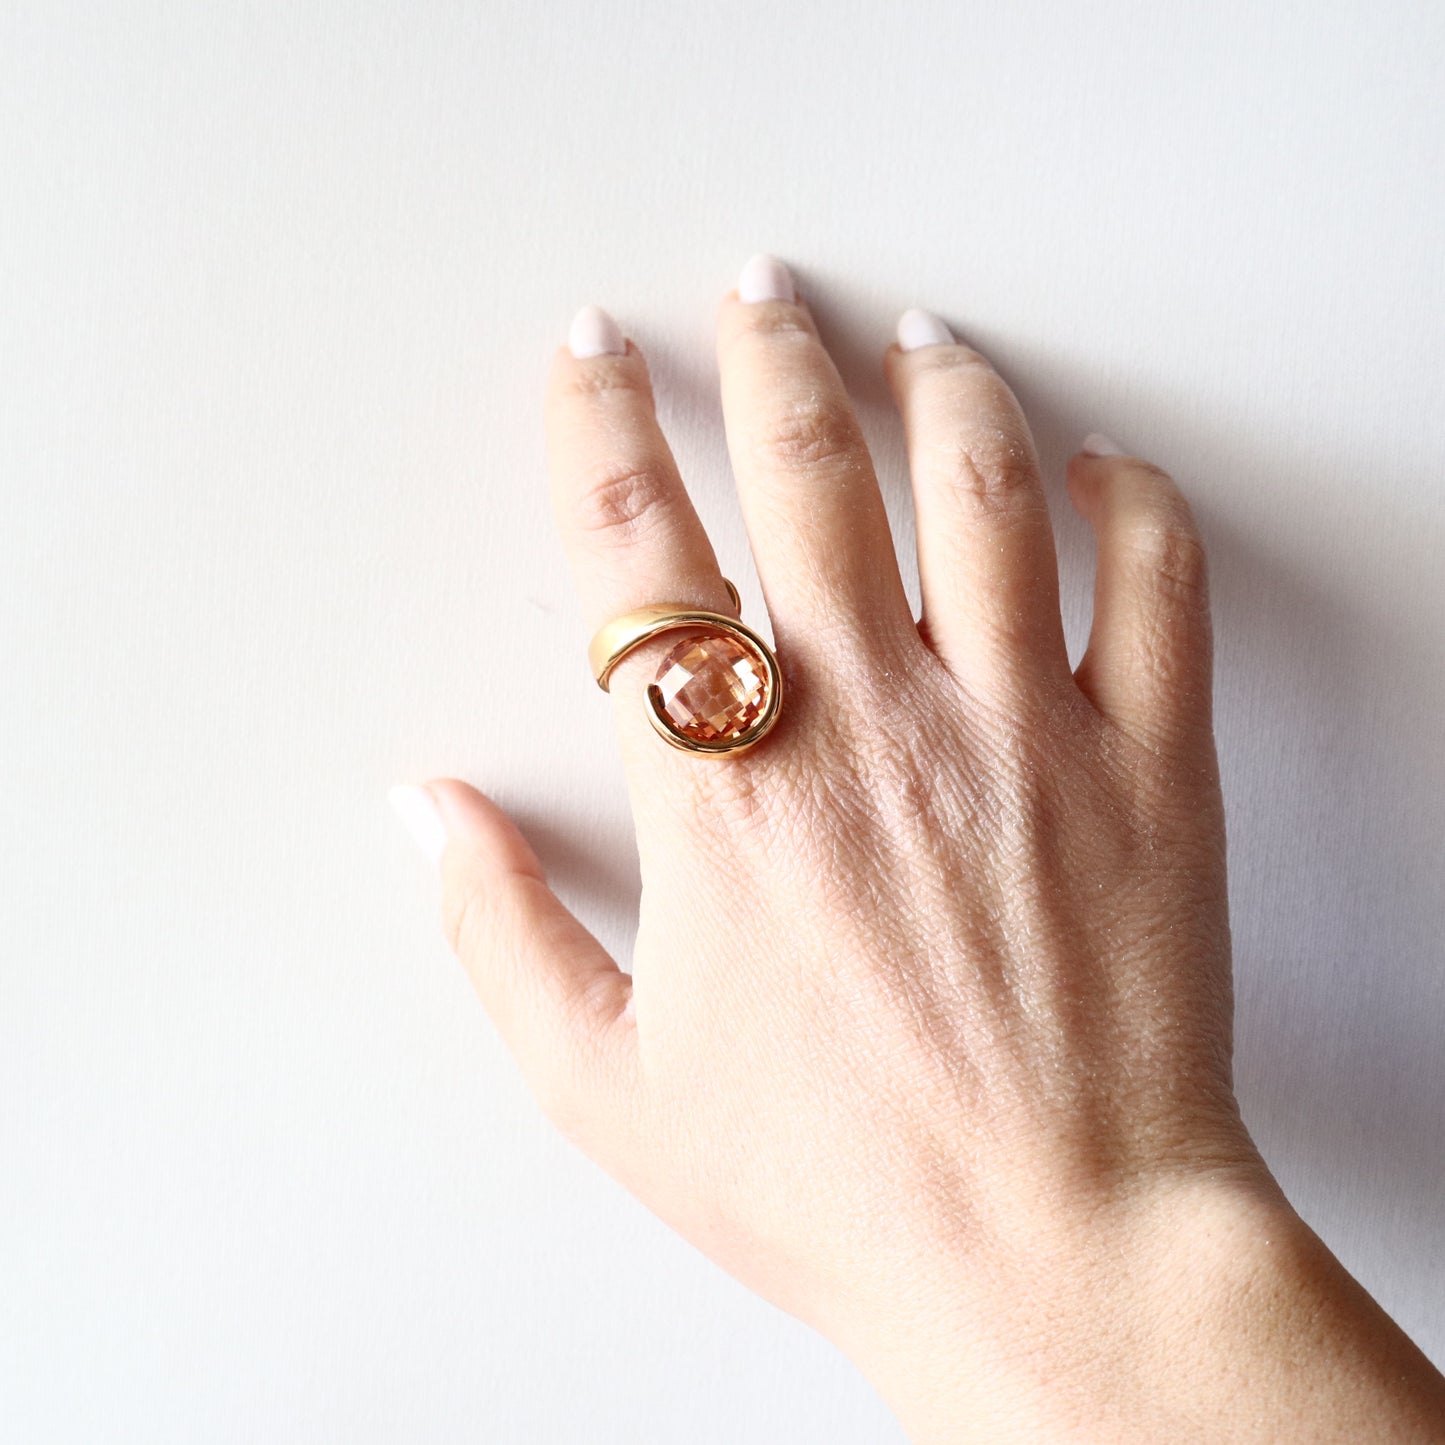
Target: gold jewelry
(718, 691)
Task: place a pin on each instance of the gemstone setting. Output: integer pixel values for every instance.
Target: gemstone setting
(712, 689)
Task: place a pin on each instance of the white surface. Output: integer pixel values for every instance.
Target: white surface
(278, 288)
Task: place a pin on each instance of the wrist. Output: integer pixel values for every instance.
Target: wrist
(1200, 1308)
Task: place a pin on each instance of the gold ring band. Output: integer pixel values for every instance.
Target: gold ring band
(743, 686)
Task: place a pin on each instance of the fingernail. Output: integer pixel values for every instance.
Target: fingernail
(418, 810)
(918, 328)
(594, 333)
(1096, 444)
(765, 278)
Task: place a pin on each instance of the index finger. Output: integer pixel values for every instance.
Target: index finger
(630, 530)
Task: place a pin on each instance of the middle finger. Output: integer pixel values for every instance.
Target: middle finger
(808, 490)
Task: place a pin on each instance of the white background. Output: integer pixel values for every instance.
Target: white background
(278, 289)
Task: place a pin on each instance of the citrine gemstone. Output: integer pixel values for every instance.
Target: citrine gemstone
(713, 688)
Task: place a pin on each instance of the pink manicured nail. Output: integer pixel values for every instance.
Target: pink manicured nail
(765, 278)
(1096, 444)
(918, 328)
(418, 810)
(594, 333)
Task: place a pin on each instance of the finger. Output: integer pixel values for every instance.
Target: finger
(630, 530)
(558, 999)
(987, 569)
(809, 494)
(1149, 660)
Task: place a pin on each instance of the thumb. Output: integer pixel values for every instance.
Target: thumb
(559, 1000)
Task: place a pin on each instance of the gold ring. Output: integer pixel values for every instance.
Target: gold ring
(718, 691)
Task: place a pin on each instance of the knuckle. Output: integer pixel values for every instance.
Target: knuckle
(1171, 554)
(621, 501)
(818, 432)
(994, 472)
(573, 1080)
(463, 917)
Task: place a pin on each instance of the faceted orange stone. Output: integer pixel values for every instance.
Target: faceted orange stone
(713, 688)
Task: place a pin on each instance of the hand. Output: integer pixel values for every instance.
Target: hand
(927, 1034)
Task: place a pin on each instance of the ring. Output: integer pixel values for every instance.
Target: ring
(719, 690)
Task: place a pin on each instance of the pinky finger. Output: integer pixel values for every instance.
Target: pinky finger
(1150, 657)
(559, 1001)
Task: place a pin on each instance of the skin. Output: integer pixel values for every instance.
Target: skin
(927, 1034)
